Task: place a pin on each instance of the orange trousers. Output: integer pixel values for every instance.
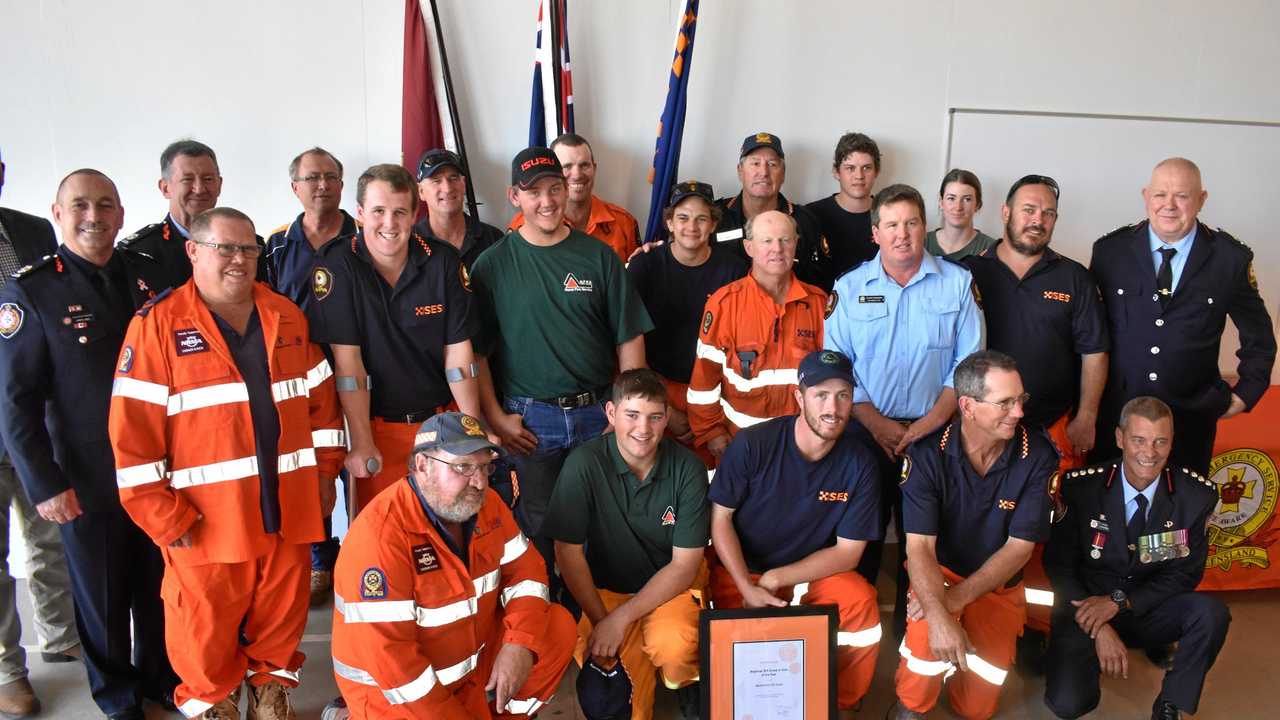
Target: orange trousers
(678, 399)
(208, 607)
(858, 640)
(993, 623)
(395, 441)
(1039, 591)
(665, 640)
(552, 652)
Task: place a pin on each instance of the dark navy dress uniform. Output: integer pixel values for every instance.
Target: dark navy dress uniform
(61, 327)
(813, 253)
(478, 238)
(289, 257)
(1088, 554)
(1171, 351)
(167, 244)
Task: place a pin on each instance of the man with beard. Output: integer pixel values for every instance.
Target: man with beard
(794, 504)
(975, 501)
(629, 520)
(440, 598)
(1042, 309)
(443, 188)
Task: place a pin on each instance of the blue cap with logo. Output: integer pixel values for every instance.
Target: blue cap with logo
(453, 432)
(822, 365)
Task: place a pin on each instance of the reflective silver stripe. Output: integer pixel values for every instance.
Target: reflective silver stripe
(415, 689)
(487, 582)
(710, 352)
(765, 378)
(977, 666)
(799, 592)
(985, 670)
(193, 708)
(376, 611)
(525, 588)
(923, 667)
(304, 457)
(328, 438)
(742, 420)
(355, 674)
(703, 397)
(281, 673)
(141, 474)
(514, 548)
(197, 398)
(215, 472)
(523, 707)
(318, 374)
(150, 392)
(289, 389)
(454, 673)
(1039, 597)
(860, 638)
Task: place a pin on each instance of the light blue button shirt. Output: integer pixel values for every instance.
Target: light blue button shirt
(1131, 496)
(905, 342)
(186, 234)
(1179, 261)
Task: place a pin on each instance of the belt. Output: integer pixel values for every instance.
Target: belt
(416, 418)
(573, 402)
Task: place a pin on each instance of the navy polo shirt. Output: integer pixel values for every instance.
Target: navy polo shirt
(478, 238)
(1045, 321)
(786, 507)
(289, 257)
(973, 515)
(675, 296)
(401, 331)
(249, 351)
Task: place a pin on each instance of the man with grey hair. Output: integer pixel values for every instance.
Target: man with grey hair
(975, 496)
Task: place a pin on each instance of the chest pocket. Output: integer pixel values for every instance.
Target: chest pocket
(1118, 299)
(1201, 312)
(941, 317)
(869, 326)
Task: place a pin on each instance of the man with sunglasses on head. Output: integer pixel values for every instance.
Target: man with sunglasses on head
(975, 497)
(443, 188)
(441, 607)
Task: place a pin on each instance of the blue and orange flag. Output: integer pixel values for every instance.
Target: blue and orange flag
(551, 109)
(666, 156)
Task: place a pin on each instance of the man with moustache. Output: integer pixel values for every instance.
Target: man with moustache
(794, 504)
(845, 217)
(975, 498)
(1169, 283)
(443, 187)
(395, 309)
(629, 520)
(62, 322)
(762, 168)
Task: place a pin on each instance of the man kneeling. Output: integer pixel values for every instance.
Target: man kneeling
(440, 599)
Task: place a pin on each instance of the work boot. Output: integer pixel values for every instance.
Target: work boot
(71, 654)
(335, 710)
(18, 699)
(1164, 710)
(321, 587)
(269, 702)
(900, 712)
(225, 710)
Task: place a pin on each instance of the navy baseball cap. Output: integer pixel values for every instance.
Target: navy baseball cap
(822, 365)
(691, 188)
(453, 432)
(532, 164)
(759, 140)
(433, 161)
(604, 694)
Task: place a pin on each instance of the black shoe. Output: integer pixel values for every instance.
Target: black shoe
(133, 713)
(164, 701)
(690, 699)
(1162, 656)
(900, 712)
(1165, 710)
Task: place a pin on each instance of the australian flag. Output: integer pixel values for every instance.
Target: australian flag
(551, 111)
(666, 156)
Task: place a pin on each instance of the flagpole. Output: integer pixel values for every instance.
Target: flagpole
(454, 119)
(553, 19)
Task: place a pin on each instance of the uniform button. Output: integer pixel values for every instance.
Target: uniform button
(1119, 291)
(82, 339)
(1210, 301)
(1153, 377)
(1159, 322)
(1155, 350)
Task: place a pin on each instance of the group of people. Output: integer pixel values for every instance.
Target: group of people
(523, 424)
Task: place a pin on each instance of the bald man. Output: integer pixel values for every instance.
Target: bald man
(1169, 284)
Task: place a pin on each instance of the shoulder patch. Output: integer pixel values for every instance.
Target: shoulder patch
(464, 276)
(126, 360)
(150, 303)
(833, 299)
(1253, 279)
(373, 584)
(977, 294)
(906, 469)
(11, 316)
(321, 282)
(706, 322)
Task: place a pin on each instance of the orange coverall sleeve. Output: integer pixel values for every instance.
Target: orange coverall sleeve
(706, 417)
(138, 427)
(523, 588)
(327, 434)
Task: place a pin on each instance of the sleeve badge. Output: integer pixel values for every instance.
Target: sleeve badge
(464, 276)
(11, 317)
(321, 283)
(906, 469)
(832, 300)
(126, 360)
(706, 322)
(373, 584)
(1253, 279)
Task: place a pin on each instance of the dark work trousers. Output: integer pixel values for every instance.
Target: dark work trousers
(889, 471)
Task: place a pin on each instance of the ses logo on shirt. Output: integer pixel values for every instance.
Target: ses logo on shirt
(573, 284)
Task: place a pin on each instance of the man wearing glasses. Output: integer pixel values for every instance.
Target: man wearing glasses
(441, 604)
(975, 498)
(227, 438)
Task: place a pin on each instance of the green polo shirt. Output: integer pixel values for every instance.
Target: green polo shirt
(629, 526)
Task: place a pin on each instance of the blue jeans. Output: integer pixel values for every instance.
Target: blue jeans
(325, 553)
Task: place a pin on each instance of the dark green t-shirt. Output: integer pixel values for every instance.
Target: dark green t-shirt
(629, 527)
(553, 317)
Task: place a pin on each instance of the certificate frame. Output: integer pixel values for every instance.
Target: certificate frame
(720, 630)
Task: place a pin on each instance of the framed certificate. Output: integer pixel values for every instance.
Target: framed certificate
(769, 663)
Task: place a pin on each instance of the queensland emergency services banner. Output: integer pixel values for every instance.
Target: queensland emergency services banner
(1244, 532)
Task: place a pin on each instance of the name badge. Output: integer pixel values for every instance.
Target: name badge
(870, 298)
(728, 235)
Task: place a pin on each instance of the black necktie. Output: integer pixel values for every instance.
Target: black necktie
(1164, 276)
(1138, 522)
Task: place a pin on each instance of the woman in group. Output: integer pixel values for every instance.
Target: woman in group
(959, 198)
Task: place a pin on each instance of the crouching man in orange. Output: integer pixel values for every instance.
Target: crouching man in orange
(794, 503)
(975, 500)
(227, 438)
(438, 597)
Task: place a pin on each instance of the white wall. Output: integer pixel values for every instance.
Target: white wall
(108, 83)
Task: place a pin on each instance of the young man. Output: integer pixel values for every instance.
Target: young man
(845, 217)
(637, 502)
(443, 188)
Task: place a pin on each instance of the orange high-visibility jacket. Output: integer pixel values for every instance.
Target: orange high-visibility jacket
(410, 618)
(748, 353)
(183, 436)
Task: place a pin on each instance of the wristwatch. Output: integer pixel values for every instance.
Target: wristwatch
(1120, 599)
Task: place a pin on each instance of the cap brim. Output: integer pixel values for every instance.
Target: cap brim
(424, 174)
(462, 447)
(528, 182)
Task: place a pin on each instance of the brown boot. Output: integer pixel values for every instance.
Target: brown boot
(18, 699)
(225, 710)
(269, 702)
(321, 587)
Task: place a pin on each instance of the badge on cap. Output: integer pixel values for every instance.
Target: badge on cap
(828, 358)
(373, 584)
(321, 283)
(425, 558)
(10, 319)
(471, 426)
(126, 360)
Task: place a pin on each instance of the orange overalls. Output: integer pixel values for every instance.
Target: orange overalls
(610, 224)
(186, 465)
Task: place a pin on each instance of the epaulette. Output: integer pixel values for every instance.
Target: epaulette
(1120, 230)
(139, 234)
(135, 251)
(1025, 448)
(27, 269)
(151, 302)
(946, 436)
(1091, 470)
(1197, 477)
(1223, 234)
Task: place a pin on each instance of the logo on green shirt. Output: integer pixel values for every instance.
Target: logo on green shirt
(573, 284)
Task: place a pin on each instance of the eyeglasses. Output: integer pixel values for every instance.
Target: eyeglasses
(228, 250)
(1032, 180)
(1006, 406)
(315, 178)
(466, 469)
